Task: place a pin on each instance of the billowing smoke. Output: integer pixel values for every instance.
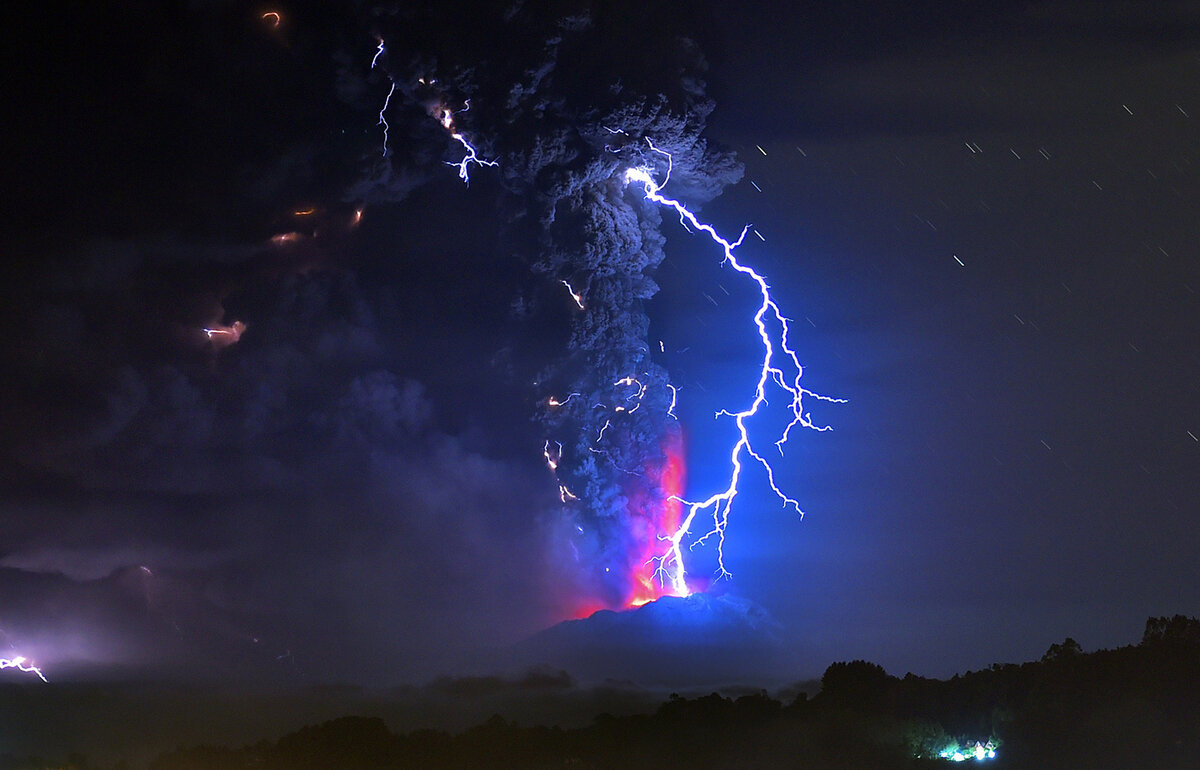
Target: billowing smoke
(564, 123)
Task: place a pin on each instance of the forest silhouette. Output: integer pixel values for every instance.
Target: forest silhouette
(1131, 707)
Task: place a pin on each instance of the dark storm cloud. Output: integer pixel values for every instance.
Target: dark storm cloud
(312, 477)
(316, 475)
(294, 469)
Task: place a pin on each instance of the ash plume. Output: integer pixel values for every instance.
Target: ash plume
(564, 123)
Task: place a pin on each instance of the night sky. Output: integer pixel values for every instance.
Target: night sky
(981, 222)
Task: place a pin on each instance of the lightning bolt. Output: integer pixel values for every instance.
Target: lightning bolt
(577, 296)
(674, 399)
(773, 330)
(552, 457)
(223, 336)
(444, 116)
(670, 564)
(19, 664)
(554, 403)
(471, 155)
(382, 120)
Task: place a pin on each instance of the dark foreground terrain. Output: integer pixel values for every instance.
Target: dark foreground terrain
(1132, 707)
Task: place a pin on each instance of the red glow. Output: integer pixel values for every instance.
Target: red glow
(652, 517)
(659, 517)
(588, 609)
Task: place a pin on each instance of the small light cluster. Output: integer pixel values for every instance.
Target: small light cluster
(979, 751)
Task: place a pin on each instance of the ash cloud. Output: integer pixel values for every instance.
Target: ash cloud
(565, 121)
(297, 483)
(336, 468)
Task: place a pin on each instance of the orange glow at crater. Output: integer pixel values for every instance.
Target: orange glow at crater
(658, 518)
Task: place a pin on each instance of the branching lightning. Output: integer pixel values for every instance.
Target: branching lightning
(444, 115)
(780, 369)
(446, 118)
(20, 664)
(670, 564)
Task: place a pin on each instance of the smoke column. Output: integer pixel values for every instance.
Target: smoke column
(561, 129)
(621, 454)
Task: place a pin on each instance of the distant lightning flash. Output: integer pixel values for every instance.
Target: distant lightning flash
(19, 664)
(670, 563)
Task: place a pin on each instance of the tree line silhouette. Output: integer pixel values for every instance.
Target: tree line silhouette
(1130, 707)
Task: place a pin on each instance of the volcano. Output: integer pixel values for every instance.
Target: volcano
(701, 641)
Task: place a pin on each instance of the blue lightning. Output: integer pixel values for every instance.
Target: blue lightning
(446, 118)
(670, 564)
(777, 356)
(383, 121)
